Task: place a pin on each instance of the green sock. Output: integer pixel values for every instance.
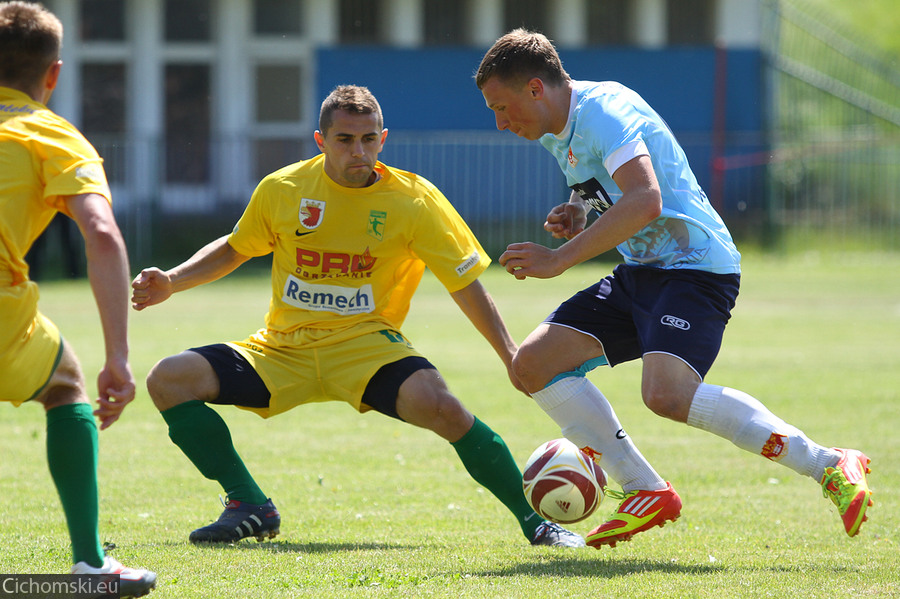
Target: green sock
(487, 459)
(204, 438)
(72, 458)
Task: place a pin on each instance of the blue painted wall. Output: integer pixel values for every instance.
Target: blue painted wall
(433, 89)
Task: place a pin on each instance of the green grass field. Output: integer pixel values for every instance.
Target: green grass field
(375, 508)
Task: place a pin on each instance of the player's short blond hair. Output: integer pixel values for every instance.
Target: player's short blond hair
(352, 98)
(30, 41)
(519, 56)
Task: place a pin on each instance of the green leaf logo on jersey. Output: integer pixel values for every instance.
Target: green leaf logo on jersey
(377, 219)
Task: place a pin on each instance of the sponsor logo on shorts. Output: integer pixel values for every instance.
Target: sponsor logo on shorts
(468, 264)
(328, 298)
(674, 321)
(775, 448)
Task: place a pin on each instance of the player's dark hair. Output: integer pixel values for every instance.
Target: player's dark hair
(30, 40)
(519, 56)
(351, 98)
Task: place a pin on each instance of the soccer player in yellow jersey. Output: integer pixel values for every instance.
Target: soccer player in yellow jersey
(350, 239)
(46, 166)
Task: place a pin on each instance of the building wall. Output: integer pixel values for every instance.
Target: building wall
(192, 101)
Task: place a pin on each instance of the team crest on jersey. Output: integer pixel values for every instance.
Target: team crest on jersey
(572, 159)
(377, 220)
(311, 212)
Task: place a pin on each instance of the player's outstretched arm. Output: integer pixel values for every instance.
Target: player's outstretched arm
(107, 264)
(478, 306)
(212, 262)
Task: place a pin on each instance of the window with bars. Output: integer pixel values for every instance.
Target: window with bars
(607, 22)
(359, 21)
(691, 22)
(530, 14)
(277, 17)
(444, 22)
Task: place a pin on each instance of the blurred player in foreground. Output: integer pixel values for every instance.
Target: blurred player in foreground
(667, 304)
(351, 238)
(46, 166)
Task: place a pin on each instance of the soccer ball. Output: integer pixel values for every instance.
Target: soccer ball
(562, 483)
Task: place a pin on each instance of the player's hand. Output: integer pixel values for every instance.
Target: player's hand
(149, 288)
(116, 388)
(565, 221)
(529, 259)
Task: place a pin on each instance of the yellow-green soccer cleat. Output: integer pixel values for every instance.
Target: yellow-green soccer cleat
(846, 486)
(638, 511)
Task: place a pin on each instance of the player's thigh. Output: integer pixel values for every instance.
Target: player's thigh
(552, 349)
(180, 378)
(425, 401)
(66, 385)
(32, 350)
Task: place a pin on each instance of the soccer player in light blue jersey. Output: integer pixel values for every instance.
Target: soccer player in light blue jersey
(668, 304)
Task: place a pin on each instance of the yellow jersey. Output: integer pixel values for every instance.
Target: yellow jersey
(347, 261)
(42, 159)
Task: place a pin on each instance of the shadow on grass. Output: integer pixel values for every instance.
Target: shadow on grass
(606, 568)
(288, 547)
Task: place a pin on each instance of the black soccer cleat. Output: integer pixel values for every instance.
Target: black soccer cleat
(239, 521)
(554, 535)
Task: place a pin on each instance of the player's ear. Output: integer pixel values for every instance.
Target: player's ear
(51, 78)
(535, 88)
(320, 140)
(384, 133)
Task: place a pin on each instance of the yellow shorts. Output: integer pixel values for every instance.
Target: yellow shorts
(30, 345)
(319, 372)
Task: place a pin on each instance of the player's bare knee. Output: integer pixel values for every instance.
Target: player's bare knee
(62, 394)
(445, 415)
(666, 403)
(527, 368)
(157, 385)
(177, 379)
(66, 385)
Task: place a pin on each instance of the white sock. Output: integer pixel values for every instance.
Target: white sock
(747, 423)
(588, 420)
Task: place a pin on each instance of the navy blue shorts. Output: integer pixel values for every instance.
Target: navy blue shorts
(638, 310)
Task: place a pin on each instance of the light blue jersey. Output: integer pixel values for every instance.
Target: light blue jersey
(609, 125)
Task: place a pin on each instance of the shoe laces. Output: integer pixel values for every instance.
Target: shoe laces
(618, 495)
(836, 487)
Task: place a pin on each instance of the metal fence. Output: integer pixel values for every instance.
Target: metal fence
(833, 171)
(825, 170)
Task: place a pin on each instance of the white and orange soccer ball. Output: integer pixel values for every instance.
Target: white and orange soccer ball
(562, 483)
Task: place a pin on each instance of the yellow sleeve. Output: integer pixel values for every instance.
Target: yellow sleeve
(252, 235)
(70, 166)
(445, 243)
